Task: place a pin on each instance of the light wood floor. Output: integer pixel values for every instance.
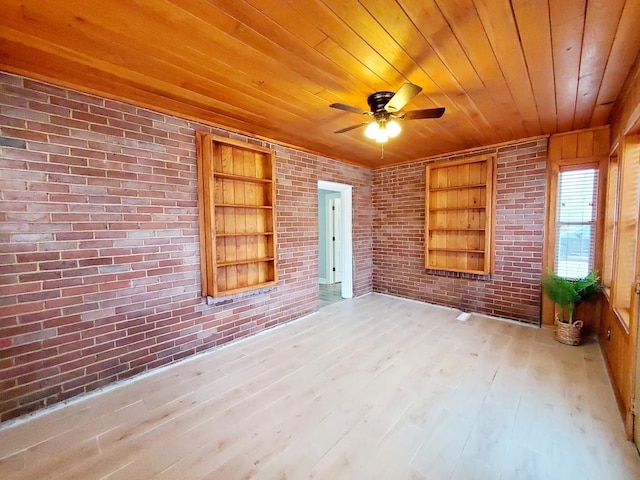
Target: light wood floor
(330, 294)
(369, 388)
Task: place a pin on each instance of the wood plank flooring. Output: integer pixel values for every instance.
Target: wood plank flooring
(330, 294)
(368, 388)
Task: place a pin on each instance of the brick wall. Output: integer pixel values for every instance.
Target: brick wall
(99, 259)
(398, 229)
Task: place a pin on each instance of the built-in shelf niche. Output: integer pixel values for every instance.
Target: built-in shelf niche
(459, 215)
(236, 200)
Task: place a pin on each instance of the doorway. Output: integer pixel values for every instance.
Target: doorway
(335, 249)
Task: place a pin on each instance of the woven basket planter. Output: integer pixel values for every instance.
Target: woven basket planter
(568, 333)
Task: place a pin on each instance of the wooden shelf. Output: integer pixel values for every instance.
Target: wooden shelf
(459, 219)
(456, 209)
(457, 230)
(458, 187)
(241, 178)
(248, 234)
(235, 205)
(236, 193)
(245, 262)
(462, 250)
(471, 271)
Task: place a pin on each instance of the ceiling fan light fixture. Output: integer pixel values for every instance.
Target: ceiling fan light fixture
(381, 130)
(385, 107)
(372, 130)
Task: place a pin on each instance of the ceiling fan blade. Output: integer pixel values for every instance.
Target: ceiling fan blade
(349, 108)
(402, 97)
(352, 127)
(426, 113)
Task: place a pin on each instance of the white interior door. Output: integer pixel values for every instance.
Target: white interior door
(335, 239)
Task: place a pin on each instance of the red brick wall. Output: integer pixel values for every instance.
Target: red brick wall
(99, 259)
(398, 229)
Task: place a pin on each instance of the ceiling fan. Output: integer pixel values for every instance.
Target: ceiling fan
(386, 108)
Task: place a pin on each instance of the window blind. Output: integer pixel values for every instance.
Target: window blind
(627, 226)
(576, 222)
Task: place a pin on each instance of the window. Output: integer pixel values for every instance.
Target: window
(610, 222)
(576, 222)
(574, 231)
(627, 241)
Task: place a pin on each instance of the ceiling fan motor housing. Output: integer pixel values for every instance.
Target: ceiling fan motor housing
(377, 101)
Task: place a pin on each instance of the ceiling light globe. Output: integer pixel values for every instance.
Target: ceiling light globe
(372, 130)
(383, 135)
(393, 129)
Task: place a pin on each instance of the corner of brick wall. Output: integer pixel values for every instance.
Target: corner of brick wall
(513, 291)
(99, 257)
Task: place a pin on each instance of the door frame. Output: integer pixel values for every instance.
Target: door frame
(634, 323)
(346, 198)
(635, 310)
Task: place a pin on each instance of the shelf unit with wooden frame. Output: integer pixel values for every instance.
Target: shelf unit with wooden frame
(460, 215)
(236, 203)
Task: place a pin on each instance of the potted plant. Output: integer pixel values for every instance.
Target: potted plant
(568, 294)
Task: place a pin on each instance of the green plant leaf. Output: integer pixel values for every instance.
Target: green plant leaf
(588, 286)
(569, 293)
(558, 289)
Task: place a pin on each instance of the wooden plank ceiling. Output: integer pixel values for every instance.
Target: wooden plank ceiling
(503, 69)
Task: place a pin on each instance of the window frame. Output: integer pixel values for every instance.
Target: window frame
(553, 170)
(622, 295)
(594, 223)
(610, 221)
